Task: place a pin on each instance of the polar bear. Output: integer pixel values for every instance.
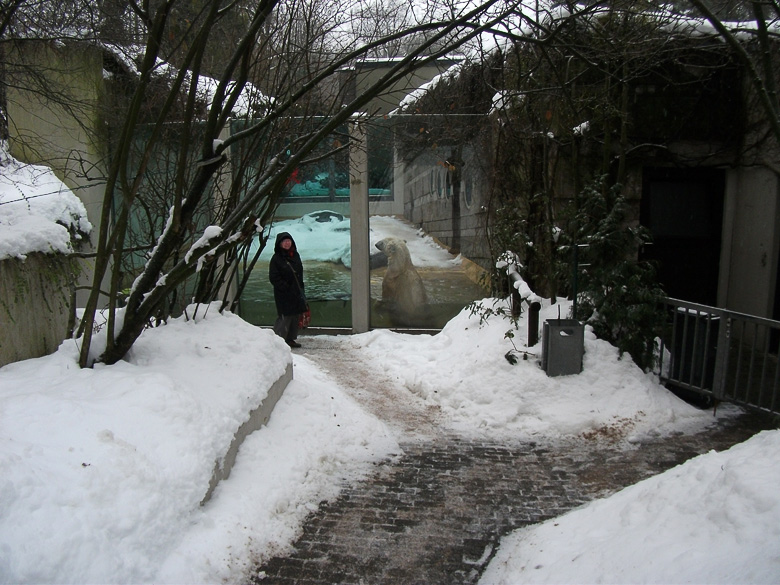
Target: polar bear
(402, 287)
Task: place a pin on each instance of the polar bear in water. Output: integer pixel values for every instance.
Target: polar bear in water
(402, 287)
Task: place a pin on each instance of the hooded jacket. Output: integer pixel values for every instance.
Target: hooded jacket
(286, 275)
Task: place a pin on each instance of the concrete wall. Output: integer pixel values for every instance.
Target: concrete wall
(35, 305)
(751, 242)
(257, 419)
(428, 202)
(58, 125)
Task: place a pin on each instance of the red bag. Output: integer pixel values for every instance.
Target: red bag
(305, 318)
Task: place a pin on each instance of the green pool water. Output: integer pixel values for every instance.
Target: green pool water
(328, 288)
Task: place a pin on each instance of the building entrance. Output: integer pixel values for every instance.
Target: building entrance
(683, 209)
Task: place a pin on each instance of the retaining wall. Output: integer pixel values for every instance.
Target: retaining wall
(257, 419)
(35, 305)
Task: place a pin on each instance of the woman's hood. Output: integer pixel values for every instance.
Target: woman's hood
(283, 236)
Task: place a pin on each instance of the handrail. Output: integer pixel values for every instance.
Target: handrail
(723, 354)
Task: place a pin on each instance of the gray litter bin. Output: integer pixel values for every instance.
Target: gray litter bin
(563, 343)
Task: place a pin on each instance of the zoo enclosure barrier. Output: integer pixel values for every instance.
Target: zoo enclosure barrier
(721, 354)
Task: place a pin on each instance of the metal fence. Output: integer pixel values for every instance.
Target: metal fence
(721, 354)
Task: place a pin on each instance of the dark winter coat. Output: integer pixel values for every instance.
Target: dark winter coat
(286, 275)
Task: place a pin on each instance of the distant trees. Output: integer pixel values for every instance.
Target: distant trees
(381, 18)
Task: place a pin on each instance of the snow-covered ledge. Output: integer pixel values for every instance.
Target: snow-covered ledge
(257, 418)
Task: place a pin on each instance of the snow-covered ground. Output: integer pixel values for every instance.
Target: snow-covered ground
(715, 519)
(102, 470)
(463, 370)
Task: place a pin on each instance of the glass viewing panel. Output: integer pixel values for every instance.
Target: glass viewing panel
(315, 211)
(322, 240)
(418, 281)
(415, 281)
(151, 206)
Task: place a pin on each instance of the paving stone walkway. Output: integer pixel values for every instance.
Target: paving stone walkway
(436, 514)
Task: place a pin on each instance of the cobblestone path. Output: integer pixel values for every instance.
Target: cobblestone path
(435, 515)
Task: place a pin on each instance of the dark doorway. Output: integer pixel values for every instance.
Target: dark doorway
(683, 208)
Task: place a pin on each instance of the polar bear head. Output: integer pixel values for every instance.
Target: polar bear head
(397, 253)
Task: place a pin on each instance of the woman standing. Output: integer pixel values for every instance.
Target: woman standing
(286, 275)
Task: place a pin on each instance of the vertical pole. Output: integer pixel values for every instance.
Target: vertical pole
(358, 217)
(228, 290)
(722, 357)
(516, 306)
(533, 323)
(575, 272)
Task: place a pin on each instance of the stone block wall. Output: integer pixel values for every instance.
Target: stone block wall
(35, 305)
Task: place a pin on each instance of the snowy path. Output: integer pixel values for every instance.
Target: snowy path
(436, 513)
(409, 418)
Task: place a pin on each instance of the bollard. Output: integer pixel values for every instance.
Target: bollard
(533, 323)
(515, 304)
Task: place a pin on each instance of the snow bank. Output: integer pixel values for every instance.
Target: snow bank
(100, 463)
(463, 372)
(104, 468)
(714, 519)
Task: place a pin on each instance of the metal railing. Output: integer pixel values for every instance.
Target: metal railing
(727, 355)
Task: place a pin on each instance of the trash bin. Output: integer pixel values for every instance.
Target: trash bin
(563, 344)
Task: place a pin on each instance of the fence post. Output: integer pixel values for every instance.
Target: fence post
(722, 358)
(515, 301)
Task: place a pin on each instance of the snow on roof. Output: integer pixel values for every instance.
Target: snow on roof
(38, 212)
(416, 95)
(250, 98)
